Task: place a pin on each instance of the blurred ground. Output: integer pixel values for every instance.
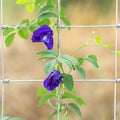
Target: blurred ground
(21, 63)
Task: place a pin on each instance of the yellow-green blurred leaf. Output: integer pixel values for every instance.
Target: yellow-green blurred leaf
(30, 7)
(117, 52)
(22, 1)
(108, 46)
(98, 40)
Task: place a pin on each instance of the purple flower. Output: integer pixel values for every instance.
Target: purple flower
(44, 34)
(53, 80)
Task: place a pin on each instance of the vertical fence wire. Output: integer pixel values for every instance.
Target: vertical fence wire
(2, 58)
(59, 25)
(116, 62)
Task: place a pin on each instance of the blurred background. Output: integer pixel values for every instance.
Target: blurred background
(21, 62)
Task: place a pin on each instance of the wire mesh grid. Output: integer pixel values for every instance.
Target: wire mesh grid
(116, 80)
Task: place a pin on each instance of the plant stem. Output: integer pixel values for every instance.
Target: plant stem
(76, 50)
(59, 53)
(58, 103)
(59, 42)
(58, 26)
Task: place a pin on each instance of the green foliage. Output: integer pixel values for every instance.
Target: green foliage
(39, 2)
(75, 108)
(44, 9)
(98, 40)
(52, 114)
(108, 46)
(41, 91)
(117, 52)
(22, 1)
(24, 22)
(23, 33)
(44, 22)
(11, 32)
(47, 15)
(66, 62)
(49, 66)
(80, 71)
(70, 58)
(68, 95)
(47, 54)
(9, 39)
(30, 7)
(66, 21)
(44, 98)
(29, 4)
(63, 18)
(92, 59)
(51, 2)
(68, 81)
(7, 31)
(81, 60)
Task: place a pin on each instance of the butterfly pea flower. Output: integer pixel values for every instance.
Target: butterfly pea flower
(53, 80)
(44, 34)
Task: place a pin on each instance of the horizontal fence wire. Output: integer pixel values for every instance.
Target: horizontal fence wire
(65, 26)
(77, 80)
(115, 80)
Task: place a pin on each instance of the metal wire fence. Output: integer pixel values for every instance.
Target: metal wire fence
(116, 80)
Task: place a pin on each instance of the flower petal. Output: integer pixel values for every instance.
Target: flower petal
(43, 34)
(53, 80)
(48, 40)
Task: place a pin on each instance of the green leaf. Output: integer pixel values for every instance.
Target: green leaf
(32, 29)
(23, 33)
(9, 39)
(30, 7)
(70, 58)
(51, 2)
(47, 54)
(73, 97)
(45, 98)
(66, 21)
(75, 108)
(92, 59)
(80, 71)
(98, 40)
(68, 81)
(81, 60)
(49, 66)
(44, 9)
(62, 12)
(7, 31)
(32, 24)
(39, 2)
(108, 46)
(117, 52)
(24, 21)
(66, 62)
(44, 22)
(41, 91)
(47, 15)
(22, 1)
(52, 114)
